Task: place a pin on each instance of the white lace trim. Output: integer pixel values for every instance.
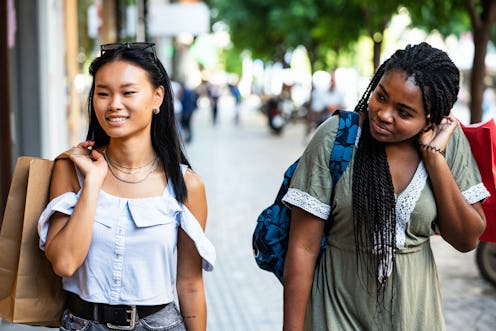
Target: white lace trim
(406, 201)
(307, 202)
(476, 193)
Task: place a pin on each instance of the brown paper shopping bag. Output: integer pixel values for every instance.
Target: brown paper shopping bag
(30, 293)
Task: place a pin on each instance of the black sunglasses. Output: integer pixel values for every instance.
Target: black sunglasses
(139, 45)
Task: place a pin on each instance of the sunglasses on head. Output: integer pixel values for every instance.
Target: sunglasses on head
(139, 45)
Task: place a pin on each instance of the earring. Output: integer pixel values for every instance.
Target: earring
(156, 110)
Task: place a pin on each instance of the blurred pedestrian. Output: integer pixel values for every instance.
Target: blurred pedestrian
(234, 90)
(189, 99)
(288, 108)
(412, 174)
(119, 217)
(177, 91)
(488, 103)
(213, 92)
(324, 102)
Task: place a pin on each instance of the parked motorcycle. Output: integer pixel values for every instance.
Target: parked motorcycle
(486, 260)
(275, 115)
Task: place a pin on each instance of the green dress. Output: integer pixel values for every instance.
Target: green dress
(342, 297)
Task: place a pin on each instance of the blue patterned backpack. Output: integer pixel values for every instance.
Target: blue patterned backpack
(270, 237)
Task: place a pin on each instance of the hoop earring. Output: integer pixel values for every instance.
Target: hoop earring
(156, 110)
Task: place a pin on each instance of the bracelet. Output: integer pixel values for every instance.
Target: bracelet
(431, 148)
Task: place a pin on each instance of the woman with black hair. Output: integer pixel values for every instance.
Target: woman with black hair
(411, 174)
(125, 224)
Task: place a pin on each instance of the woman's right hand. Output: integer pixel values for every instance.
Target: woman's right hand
(93, 165)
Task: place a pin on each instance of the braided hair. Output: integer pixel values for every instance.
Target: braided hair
(374, 205)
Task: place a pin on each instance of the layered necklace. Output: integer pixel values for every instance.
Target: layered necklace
(145, 169)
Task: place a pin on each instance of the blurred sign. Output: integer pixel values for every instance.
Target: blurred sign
(173, 19)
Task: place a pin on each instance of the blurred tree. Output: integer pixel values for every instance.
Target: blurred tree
(250, 27)
(373, 18)
(454, 17)
(272, 27)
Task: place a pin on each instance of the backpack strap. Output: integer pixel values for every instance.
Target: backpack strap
(341, 153)
(342, 149)
(270, 237)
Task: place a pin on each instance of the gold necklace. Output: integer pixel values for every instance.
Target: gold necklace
(152, 165)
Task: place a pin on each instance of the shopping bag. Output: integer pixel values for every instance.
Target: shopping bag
(30, 292)
(482, 139)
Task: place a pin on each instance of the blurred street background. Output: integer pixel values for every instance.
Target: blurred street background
(247, 77)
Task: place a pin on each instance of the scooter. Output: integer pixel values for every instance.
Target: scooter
(275, 116)
(486, 260)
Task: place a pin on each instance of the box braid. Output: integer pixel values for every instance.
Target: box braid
(374, 205)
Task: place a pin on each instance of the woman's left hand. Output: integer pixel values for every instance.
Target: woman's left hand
(436, 136)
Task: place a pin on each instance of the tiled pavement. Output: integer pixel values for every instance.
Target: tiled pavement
(242, 167)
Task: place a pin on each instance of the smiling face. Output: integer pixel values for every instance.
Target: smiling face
(396, 111)
(124, 100)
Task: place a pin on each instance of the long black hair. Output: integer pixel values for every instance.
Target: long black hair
(374, 205)
(165, 136)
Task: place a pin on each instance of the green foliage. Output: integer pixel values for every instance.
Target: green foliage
(232, 62)
(249, 26)
(325, 28)
(331, 29)
(445, 16)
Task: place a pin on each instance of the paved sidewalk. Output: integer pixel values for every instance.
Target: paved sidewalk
(242, 168)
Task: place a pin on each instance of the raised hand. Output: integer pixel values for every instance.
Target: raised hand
(93, 165)
(436, 136)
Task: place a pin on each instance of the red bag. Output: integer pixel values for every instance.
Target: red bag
(482, 139)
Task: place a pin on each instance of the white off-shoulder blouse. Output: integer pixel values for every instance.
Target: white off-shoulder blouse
(132, 257)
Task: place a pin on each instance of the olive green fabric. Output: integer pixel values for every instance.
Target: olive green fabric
(343, 294)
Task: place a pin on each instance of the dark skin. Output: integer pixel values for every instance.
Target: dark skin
(397, 118)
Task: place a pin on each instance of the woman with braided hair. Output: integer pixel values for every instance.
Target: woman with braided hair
(411, 174)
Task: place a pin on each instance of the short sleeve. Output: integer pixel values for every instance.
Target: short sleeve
(65, 204)
(464, 168)
(205, 248)
(191, 226)
(311, 185)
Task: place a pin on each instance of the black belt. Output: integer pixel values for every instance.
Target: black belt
(119, 317)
